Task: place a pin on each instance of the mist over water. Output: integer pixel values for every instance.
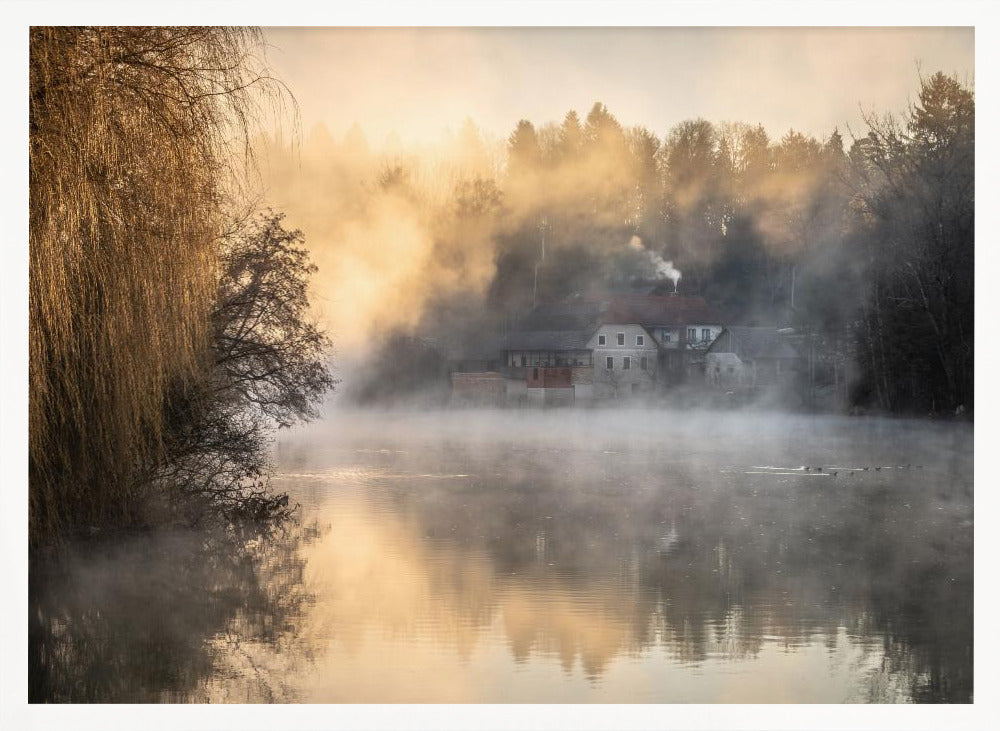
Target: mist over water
(550, 556)
(606, 553)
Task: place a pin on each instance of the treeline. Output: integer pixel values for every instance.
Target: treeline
(864, 245)
(167, 328)
(729, 207)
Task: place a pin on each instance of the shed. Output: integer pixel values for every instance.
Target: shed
(750, 356)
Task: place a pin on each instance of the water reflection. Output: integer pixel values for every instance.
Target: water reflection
(626, 558)
(157, 617)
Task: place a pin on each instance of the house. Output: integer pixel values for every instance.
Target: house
(682, 327)
(610, 347)
(548, 366)
(624, 359)
(750, 357)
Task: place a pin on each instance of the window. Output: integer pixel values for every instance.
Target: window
(602, 339)
(640, 340)
(666, 336)
(534, 373)
(621, 338)
(730, 369)
(644, 363)
(706, 334)
(611, 363)
(626, 363)
(692, 334)
(635, 388)
(523, 361)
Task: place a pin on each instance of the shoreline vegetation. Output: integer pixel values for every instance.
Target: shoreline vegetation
(169, 322)
(168, 325)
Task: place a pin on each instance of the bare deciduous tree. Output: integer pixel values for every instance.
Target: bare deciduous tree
(266, 366)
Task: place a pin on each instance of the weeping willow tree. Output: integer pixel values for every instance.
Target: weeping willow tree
(138, 140)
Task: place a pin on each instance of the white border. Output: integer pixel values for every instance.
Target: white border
(14, 711)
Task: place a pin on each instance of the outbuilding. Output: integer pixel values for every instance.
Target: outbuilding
(752, 357)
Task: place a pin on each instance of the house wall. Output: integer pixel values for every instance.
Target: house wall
(559, 396)
(775, 371)
(671, 337)
(667, 337)
(543, 377)
(517, 390)
(478, 389)
(728, 370)
(618, 381)
(526, 358)
(550, 396)
(670, 366)
(700, 339)
(723, 370)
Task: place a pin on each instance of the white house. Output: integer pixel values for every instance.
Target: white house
(624, 360)
(583, 350)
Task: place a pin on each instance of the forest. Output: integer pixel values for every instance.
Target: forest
(863, 241)
(175, 321)
(210, 266)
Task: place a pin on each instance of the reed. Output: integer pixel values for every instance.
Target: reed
(138, 142)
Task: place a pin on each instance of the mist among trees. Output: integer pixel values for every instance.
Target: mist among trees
(142, 159)
(861, 240)
(193, 263)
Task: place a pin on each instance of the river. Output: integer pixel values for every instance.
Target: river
(548, 556)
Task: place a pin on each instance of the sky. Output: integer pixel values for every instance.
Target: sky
(419, 83)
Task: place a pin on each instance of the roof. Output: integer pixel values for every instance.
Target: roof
(753, 343)
(548, 340)
(484, 347)
(670, 310)
(556, 326)
(576, 314)
(570, 325)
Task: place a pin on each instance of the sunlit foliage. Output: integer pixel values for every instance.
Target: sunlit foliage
(137, 144)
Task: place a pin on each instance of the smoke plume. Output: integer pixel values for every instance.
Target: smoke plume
(664, 269)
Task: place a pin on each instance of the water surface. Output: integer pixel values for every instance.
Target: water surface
(549, 556)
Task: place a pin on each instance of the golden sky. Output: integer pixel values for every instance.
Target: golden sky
(419, 82)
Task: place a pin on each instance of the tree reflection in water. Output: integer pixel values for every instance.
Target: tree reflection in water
(532, 568)
(616, 550)
(589, 573)
(158, 617)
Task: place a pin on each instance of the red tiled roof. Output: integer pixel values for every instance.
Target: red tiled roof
(670, 310)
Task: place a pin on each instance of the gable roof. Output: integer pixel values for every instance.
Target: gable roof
(569, 325)
(665, 310)
(484, 347)
(752, 343)
(575, 314)
(556, 326)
